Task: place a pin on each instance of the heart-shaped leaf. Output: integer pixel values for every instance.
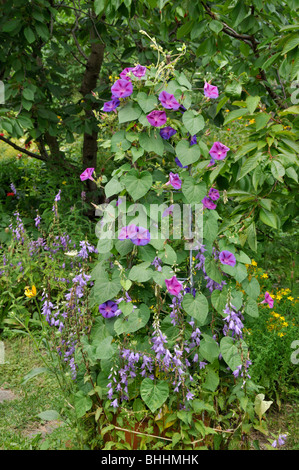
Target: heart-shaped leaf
(187, 154)
(154, 394)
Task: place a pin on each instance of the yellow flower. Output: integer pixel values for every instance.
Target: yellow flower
(290, 298)
(254, 263)
(280, 334)
(279, 296)
(252, 121)
(285, 324)
(265, 275)
(30, 292)
(63, 182)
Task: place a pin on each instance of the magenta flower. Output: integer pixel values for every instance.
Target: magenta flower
(226, 257)
(87, 174)
(174, 287)
(122, 88)
(208, 203)
(268, 300)
(141, 237)
(167, 132)
(175, 180)
(214, 194)
(111, 105)
(139, 71)
(168, 100)
(210, 91)
(124, 74)
(218, 151)
(109, 309)
(157, 118)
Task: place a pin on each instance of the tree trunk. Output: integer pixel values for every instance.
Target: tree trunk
(90, 147)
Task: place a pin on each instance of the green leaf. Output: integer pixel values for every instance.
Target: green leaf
(219, 300)
(113, 187)
(277, 170)
(119, 142)
(268, 218)
(291, 43)
(210, 226)
(209, 348)
(49, 415)
(11, 25)
(197, 307)
(249, 165)
(216, 26)
(28, 94)
(212, 270)
(130, 112)
(104, 289)
(193, 191)
(152, 142)
(261, 405)
(105, 349)
(187, 154)
(252, 288)
(251, 308)
(230, 350)
(137, 183)
(29, 35)
(252, 102)
(261, 120)
(146, 102)
(140, 272)
(83, 403)
(192, 122)
(154, 394)
(34, 372)
(234, 115)
(291, 110)
(99, 6)
(134, 321)
(233, 89)
(212, 379)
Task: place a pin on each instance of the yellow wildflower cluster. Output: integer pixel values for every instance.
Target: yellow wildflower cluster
(277, 323)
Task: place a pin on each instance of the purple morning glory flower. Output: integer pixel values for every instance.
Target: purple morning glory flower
(157, 118)
(122, 88)
(167, 132)
(218, 151)
(109, 309)
(268, 300)
(226, 257)
(175, 180)
(168, 211)
(127, 232)
(124, 74)
(87, 174)
(141, 237)
(193, 140)
(210, 91)
(177, 161)
(139, 71)
(214, 194)
(208, 203)
(111, 105)
(168, 100)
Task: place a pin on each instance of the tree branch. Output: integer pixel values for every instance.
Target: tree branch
(20, 149)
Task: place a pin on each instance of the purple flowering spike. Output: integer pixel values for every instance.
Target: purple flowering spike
(208, 203)
(122, 88)
(157, 118)
(218, 151)
(214, 194)
(226, 257)
(167, 132)
(111, 105)
(168, 100)
(210, 91)
(87, 174)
